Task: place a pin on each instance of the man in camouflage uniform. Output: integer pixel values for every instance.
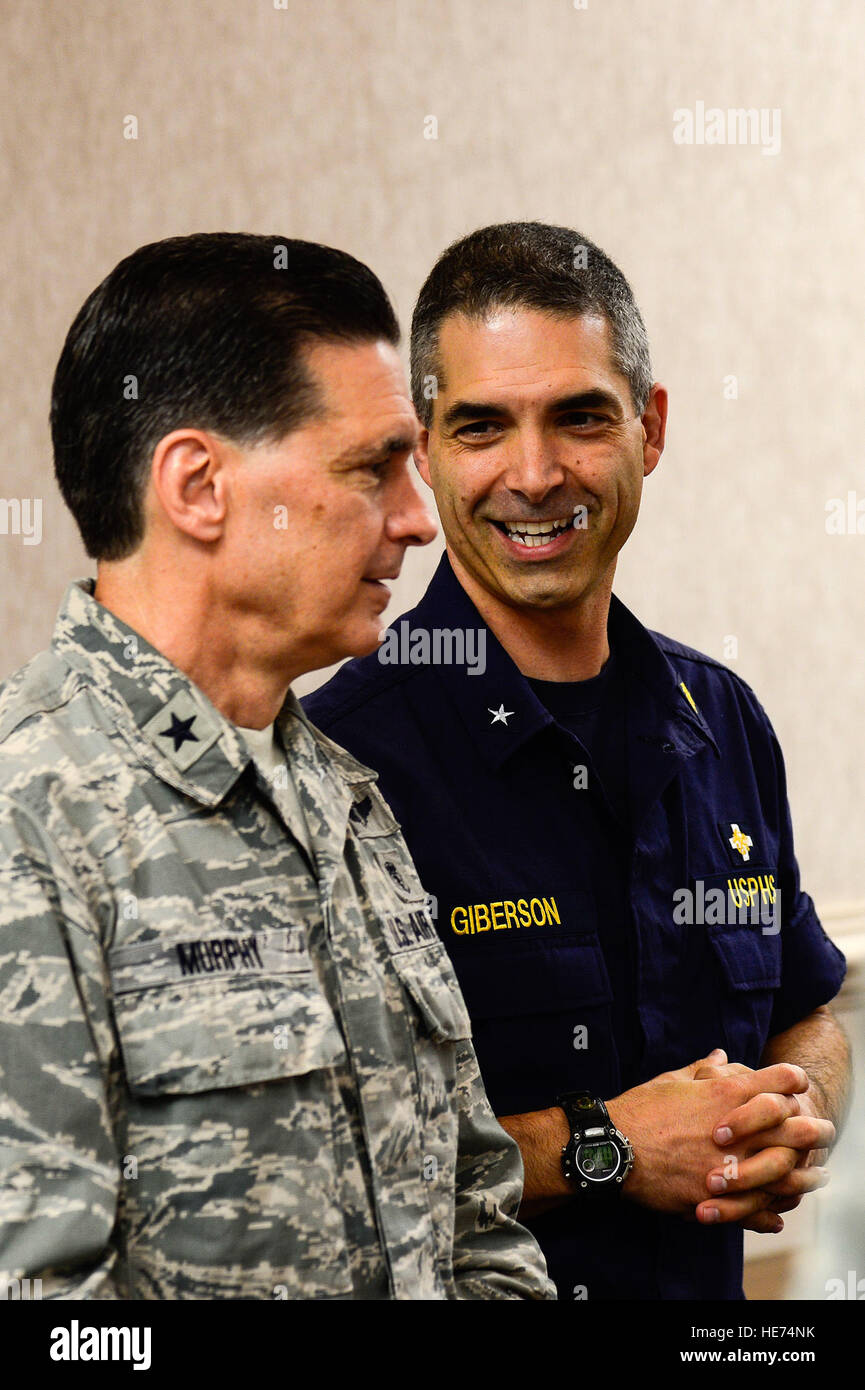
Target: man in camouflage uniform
(235, 1059)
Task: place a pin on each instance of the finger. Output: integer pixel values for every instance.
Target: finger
(784, 1204)
(710, 1073)
(765, 1223)
(797, 1182)
(801, 1132)
(767, 1166)
(761, 1221)
(783, 1076)
(763, 1111)
(717, 1057)
(736, 1208)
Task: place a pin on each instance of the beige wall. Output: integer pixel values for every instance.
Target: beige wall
(309, 121)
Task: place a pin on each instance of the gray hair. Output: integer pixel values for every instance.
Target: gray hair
(534, 266)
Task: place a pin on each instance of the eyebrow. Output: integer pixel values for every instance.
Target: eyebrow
(464, 411)
(385, 448)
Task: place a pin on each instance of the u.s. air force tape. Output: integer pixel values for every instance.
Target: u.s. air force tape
(409, 929)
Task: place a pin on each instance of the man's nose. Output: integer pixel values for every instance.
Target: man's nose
(408, 521)
(533, 468)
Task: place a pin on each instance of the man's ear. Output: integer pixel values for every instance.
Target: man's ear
(190, 483)
(654, 421)
(421, 456)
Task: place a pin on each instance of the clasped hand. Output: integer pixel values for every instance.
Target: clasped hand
(751, 1140)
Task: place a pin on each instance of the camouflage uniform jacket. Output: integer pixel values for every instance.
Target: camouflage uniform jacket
(229, 1069)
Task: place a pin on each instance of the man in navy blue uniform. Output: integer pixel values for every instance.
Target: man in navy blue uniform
(597, 813)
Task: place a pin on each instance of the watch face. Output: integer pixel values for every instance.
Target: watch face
(598, 1162)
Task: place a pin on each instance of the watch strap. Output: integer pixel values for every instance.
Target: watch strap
(583, 1111)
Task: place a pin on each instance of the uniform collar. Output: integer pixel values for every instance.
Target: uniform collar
(680, 720)
(497, 705)
(502, 712)
(169, 722)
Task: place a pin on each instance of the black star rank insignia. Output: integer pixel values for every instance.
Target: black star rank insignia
(180, 730)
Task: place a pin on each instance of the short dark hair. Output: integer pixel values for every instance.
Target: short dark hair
(206, 331)
(531, 265)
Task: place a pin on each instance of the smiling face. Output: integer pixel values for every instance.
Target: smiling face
(536, 456)
(320, 519)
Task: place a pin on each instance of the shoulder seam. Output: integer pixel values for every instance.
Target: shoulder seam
(45, 834)
(738, 683)
(350, 703)
(686, 653)
(43, 707)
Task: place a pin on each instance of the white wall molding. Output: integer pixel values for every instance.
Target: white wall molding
(845, 923)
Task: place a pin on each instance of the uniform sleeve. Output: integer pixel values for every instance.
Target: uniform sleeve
(812, 967)
(494, 1256)
(59, 1169)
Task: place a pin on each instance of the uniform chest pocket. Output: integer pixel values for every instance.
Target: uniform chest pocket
(750, 959)
(749, 964)
(554, 976)
(529, 954)
(427, 975)
(247, 1176)
(542, 1017)
(209, 1013)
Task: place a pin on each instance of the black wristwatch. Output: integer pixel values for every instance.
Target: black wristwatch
(597, 1158)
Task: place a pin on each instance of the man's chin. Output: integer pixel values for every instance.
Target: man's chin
(343, 647)
(371, 644)
(360, 642)
(541, 592)
(545, 586)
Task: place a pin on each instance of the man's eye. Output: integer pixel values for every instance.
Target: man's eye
(378, 468)
(481, 429)
(583, 419)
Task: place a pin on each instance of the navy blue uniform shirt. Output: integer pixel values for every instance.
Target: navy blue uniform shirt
(600, 936)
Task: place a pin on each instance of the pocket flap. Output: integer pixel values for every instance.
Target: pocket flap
(749, 959)
(182, 1035)
(536, 978)
(428, 976)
